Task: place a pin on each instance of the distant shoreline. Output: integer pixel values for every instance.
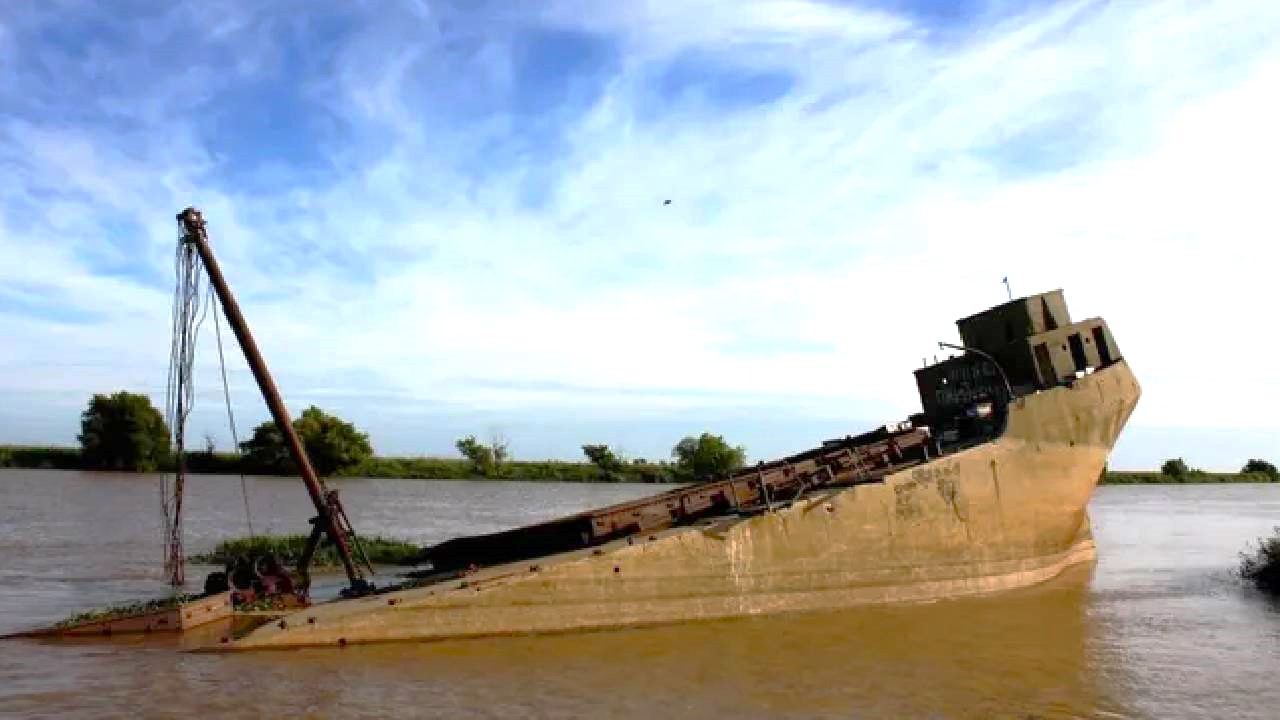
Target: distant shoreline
(430, 468)
(1197, 477)
(398, 468)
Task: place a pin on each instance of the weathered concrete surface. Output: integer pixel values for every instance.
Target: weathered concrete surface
(180, 618)
(1001, 515)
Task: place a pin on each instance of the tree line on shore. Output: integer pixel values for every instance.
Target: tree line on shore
(1176, 471)
(124, 432)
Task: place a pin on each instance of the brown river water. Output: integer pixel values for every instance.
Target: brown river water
(1157, 628)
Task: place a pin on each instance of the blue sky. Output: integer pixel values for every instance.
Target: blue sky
(447, 218)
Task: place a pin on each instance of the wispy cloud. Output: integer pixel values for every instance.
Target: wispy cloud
(444, 216)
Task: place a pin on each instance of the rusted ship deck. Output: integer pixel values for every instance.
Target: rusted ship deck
(838, 463)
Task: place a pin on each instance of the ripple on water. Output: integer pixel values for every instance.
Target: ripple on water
(1156, 629)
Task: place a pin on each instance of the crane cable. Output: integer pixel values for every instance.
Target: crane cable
(231, 418)
(190, 307)
(189, 310)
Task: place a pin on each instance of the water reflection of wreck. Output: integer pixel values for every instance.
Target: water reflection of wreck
(985, 489)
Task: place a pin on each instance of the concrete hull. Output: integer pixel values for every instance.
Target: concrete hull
(1005, 514)
(180, 618)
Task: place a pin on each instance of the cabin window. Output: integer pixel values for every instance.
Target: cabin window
(1100, 342)
(1077, 351)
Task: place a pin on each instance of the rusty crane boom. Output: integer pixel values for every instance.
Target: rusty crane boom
(331, 519)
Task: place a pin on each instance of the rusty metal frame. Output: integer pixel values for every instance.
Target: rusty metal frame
(849, 461)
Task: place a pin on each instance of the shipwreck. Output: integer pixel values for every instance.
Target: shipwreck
(985, 489)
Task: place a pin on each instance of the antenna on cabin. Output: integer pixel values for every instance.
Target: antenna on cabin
(1006, 286)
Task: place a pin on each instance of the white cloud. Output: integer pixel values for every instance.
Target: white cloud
(1122, 152)
(659, 28)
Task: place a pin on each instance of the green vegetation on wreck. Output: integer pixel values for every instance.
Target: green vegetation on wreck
(382, 551)
(124, 610)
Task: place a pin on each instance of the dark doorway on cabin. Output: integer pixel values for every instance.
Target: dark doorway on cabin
(1047, 376)
(1050, 322)
(1077, 351)
(1100, 342)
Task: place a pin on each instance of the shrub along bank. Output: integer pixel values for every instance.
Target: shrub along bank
(40, 458)
(419, 468)
(1131, 477)
(434, 468)
(1176, 471)
(553, 470)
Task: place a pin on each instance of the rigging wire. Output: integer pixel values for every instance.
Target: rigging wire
(189, 310)
(191, 305)
(231, 417)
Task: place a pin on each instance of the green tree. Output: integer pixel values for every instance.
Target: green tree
(602, 457)
(706, 457)
(122, 431)
(266, 452)
(498, 445)
(332, 444)
(1262, 467)
(1175, 468)
(481, 456)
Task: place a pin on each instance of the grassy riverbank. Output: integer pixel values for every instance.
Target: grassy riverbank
(413, 468)
(555, 470)
(434, 468)
(1144, 477)
(40, 458)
